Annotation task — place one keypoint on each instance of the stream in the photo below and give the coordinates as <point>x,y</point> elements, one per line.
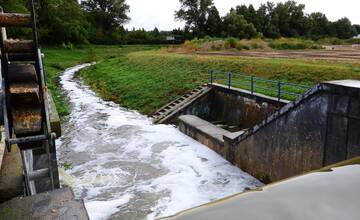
<point>126,167</point>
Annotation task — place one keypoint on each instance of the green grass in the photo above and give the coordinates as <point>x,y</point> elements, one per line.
<point>146,80</point>
<point>57,59</point>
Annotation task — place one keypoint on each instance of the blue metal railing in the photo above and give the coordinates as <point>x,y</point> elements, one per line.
<point>281,90</point>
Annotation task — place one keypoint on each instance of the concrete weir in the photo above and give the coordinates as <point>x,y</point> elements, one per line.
<point>273,140</point>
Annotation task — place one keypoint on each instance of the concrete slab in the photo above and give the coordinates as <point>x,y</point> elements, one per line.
<point>330,195</point>
<point>193,120</point>
<point>204,127</point>
<point>11,177</point>
<point>59,204</point>
<point>346,83</point>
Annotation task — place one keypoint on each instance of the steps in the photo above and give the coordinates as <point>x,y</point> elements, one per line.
<point>167,111</point>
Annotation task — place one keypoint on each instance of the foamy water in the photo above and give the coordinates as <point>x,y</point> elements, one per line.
<point>125,167</point>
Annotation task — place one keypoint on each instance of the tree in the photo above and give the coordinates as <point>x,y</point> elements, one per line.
<point>268,20</point>
<point>344,28</point>
<point>107,18</point>
<point>108,13</point>
<point>61,21</point>
<point>319,25</point>
<point>250,15</point>
<point>357,28</point>
<point>236,26</point>
<point>291,20</point>
<point>195,14</point>
<point>214,23</point>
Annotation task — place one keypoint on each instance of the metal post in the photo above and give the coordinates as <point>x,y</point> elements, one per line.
<point>211,76</point>
<point>279,90</point>
<point>252,85</point>
<point>3,30</point>
<point>229,80</point>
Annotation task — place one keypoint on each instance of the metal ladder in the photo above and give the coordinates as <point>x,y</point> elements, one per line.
<point>25,105</point>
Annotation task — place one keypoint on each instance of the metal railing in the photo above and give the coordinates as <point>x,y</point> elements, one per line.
<point>275,88</point>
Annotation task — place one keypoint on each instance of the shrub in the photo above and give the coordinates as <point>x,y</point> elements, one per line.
<point>68,46</point>
<point>256,46</point>
<point>191,45</point>
<point>291,46</point>
<point>231,43</point>
<point>239,46</point>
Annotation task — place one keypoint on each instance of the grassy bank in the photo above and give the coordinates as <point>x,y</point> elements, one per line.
<point>148,79</point>
<point>58,59</point>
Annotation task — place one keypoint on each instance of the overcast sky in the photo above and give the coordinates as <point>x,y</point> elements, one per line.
<point>160,13</point>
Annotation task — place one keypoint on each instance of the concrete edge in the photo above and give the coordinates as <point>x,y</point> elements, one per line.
<point>200,128</point>
<point>55,121</point>
<point>248,93</point>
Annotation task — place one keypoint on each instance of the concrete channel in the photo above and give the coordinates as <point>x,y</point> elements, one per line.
<point>120,165</point>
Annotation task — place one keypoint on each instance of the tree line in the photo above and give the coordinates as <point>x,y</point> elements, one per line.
<point>101,22</point>
<point>270,20</point>
<point>63,21</point>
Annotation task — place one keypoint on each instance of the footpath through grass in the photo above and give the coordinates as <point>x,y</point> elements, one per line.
<point>146,80</point>
<point>58,59</point>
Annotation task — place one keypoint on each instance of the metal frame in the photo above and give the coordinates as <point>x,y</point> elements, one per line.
<point>47,137</point>
<point>254,84</point>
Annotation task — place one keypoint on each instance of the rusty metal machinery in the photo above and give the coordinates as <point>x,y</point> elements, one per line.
<point>25,104</point>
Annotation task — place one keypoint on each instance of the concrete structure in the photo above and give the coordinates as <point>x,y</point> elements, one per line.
<point>206,133</point>
<point>318,129</point>
<point>331,193</point>
<point>59,204</point>
<point>232,107</point>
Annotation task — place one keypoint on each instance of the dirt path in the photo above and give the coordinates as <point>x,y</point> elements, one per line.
<point>340,55</point>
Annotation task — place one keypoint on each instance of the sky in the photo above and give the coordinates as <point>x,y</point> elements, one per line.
<point>149,14</point>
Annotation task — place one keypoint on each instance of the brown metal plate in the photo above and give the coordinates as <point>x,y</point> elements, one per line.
<point>26,120</point>
<point>19,73</point>
<point>19,46</point>
<point>15,20</point>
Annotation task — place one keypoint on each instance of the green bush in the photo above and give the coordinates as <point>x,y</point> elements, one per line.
<point>245,47</point>
<point>293,46</point>
<point>231,43</point>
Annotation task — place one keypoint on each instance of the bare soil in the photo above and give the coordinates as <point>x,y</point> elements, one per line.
<point>339,55</point>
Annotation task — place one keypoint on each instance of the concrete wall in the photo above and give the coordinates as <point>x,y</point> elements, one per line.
<point>319,129</point>
<point>237,107</point>
<point>200,107</point>
<point>234,107</point>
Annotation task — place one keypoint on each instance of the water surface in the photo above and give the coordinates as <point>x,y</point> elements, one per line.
<point>125,167</point>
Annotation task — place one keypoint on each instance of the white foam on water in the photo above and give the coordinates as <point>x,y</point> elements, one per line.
<point>126,167</point>
<point>96,209</point>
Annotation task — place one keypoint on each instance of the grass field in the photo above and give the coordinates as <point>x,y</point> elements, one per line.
<point>145,80</point>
